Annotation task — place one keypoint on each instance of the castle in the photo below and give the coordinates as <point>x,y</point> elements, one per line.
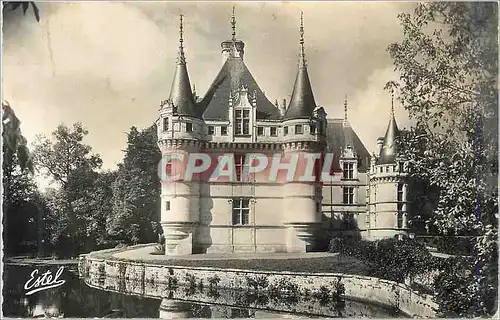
<point>365,196</point>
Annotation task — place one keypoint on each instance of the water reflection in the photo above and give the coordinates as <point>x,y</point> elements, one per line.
<point>125,299</point>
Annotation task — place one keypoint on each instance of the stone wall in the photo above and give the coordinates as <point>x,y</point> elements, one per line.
<point>111,274</point>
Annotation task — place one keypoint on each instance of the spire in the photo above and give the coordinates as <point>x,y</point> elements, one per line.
<point>233,26</point>
<point>389,148</point>
<point>392,103</point>
<point>302,103</point>
<point>302,61</point>
<point>345,110</point>
<point>181,96</point>
<point>181,59</point>
<point>232,48</point>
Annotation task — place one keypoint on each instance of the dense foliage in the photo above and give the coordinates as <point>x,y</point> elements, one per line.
<point>448,66</point>
<point>136,191</point>
<point>88,209</point>
<point>391,259</point>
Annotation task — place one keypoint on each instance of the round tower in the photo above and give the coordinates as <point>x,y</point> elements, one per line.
<point>180,130</point>
<point>303,131</point>
<point>388,187</point>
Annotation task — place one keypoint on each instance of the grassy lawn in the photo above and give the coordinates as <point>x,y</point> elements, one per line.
<point>330,264</point>
<point>336,264</point>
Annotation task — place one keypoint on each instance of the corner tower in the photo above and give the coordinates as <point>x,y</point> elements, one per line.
<point>304,126</point>
<point>388,187</point>
<point>180,129</point>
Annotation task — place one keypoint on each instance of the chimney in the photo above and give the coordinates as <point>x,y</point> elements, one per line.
<point>282,107</point>
<point>380,142</point>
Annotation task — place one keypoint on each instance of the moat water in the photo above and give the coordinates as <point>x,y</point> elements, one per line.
<point>76,299</point>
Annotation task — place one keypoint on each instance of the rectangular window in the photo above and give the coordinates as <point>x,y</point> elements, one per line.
<point>400,219</point>
<point>167,206</point>
<point>189,127</point>
<point>312,129</point>
<point>169,168</point>
<point>242,120</point>
<point>299,129</point>
<point>165,124</point>
<point>401,167</point>
<point>348,170</point>
<point>223,130</point>
<point>241,211</point>
<point>260,131</point>
<point>285,131</point>
<point>400,192</point>
<point>211,130</point>
<point>239,161</point>
<point>274,132</point>
<point>348,195</point>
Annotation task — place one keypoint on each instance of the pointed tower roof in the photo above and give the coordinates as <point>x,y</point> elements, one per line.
<point>389,147</point>
<point>233,75</point>
<point>181,95</point>
<point>302,102</point>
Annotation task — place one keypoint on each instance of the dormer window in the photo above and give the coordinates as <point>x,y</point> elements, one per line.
<point>348,170</point>
<point>299,129</point>
<point>242,120</point>
<point>165,124</point>
<point>211,130</point>
<point>189,127</point>
<point>260,131</point>
<point>174,110</point>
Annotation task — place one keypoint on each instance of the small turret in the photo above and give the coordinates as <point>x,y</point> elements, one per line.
<point>302,102</point>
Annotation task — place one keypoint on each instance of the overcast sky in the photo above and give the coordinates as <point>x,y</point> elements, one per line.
<point>108,65</point>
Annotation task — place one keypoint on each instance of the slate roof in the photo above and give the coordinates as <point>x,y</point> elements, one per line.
<point>233,74</point>
<point>302,103</point>
<point>389,147</point>
<point>339,136</point>
<point>181,95</point>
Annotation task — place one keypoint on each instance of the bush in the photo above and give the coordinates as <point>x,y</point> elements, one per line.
<point>459,293</point>
<point>390,259</point>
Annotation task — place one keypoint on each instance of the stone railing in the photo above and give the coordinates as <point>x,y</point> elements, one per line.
<point>151,280</point>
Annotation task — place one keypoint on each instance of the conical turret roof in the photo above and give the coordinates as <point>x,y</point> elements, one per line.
<point>302,102</point>
<point>181,95</point>
<point>389,149</point>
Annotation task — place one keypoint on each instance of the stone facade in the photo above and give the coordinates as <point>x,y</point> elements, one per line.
<point>236,117</point>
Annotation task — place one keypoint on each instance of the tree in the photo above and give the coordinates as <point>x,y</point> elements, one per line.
<point>13,5</point>
<point>70,163</point>
<point>448,66</point>
<point>136,191</point>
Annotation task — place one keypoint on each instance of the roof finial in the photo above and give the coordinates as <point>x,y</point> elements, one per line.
<point>233,25</point>
<point>182,58</point>
<point>392,102</point>
<point>345,109</point>
<point>302,51</point>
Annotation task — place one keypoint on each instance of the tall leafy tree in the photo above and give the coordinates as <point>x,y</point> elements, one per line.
<point>136,191</point>
<point>17,168</point>
<point>448,66</point>
<point>72,165</point>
